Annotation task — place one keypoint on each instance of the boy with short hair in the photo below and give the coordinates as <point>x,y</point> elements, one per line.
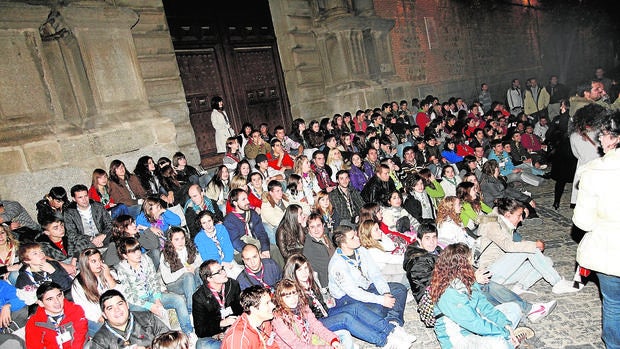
<point>420,259</point>
<point>37,269</point>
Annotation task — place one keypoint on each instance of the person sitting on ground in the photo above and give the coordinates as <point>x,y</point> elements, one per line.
<point>125,328</point>
<point>213,242</point>
<point>171,340</point>
<point>156,218</point>
<point>252,330</point>
<point>87,217</point>
<point>219,187</point>
<point>57,323</point>
<point>258,271</point>
<point>256,146</point>
<point>54,203</point>
<point>143,285</point>
<point>125,226</point>
<point>472,206</point>
<point>346,200</point>
<point>17,219</point>
<point>449,180</point>
<point>419,259</point>
<point>14,312</point>
<point>396,217</point>
<point>185,174</point>
<point>353,319</point>
<point>179,267</point>
<point>245,226</point>
<point>322,171</point>
<point>294,323</point>
<point>9,257</point>
<point>100,192</point>
<point>380,186</point>
<point>318,247</point>
<point>37,269</point>
<point>290,234</point>
<point>459,302</point>
<point>323,206</point>
<point>450,228</point>
<point>274,204</point>
<point>384,252</point>
<point>360,172</point>
<point>269,173</point>
<point>61,247</point>
<point>521,263</point>
<point>125,188</point>
<point>278,158</point>
<point>419,203</point>
<point>93,279</point>
<point>197,203</point>
<point>374,212</point>
<point>216,304</point>
<point>355,278</point>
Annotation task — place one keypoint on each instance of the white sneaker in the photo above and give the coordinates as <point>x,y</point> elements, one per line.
<point>400,332</point>
<point>540,310</point>
<point>543,167</point>
<point>410,297</point>
<point>393,341</point>
<point>565,286</point>
<point>519,290</point>
<point>527,193</point>
<point>192,339</point>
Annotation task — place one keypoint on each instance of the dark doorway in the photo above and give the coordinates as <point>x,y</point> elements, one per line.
<point>228,48</point>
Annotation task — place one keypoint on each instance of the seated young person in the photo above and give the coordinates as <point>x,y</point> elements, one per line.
<point>179,267</point>
<point>37,269</point>
<point>294,323</point>
<point>457,296</point>
<point>13,309</point>
<point>125,227</point>
<point>384,252</point>
<point>57,323</point>
<point>252,330</point>
<point>59,246</point>
<point>355,278</point>
<point>143,284</point>
<point>216,304</point>
<point>93,279</point>
<point>213,242</point>
<point>258,271</point>
<point>124,328</point>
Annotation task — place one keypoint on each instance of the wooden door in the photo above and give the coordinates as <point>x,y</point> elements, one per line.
<point>231,56</point>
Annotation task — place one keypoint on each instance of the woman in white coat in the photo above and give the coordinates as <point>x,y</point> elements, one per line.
<point>221,124</point>
<point>596,212</point>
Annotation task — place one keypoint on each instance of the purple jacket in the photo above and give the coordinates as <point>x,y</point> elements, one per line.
<point>359,178</point>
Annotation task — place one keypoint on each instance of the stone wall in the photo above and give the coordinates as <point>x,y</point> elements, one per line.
<point>98,82</point>
<point>440,47</point>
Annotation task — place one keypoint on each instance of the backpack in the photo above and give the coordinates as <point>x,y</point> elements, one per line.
<point>426,310</point>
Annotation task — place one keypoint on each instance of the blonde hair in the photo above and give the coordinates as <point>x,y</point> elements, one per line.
<point>299,163</point>
<point>238,181</point>
<point>330,158</point>
<point>445,210</point>
<point>365,233</point>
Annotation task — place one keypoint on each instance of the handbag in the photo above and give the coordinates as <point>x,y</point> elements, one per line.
<point>426,309</point>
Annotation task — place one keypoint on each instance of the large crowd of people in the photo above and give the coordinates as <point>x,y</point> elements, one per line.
<point>318,236</point>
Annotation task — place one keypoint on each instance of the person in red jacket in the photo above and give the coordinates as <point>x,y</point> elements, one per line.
<point>57,323</point>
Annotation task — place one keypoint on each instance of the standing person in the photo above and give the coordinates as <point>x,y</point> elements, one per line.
<point>216,305</point>
<point>557,92</point>
<point>563,162</point>
<point>252,330</point>
<point>535,101</point>
<point>124,328</point>
<point>596,214</point>
<point>514,96</point>
<point>485,97</point>
<point>57,323</point>
<point>94,279</point>
<point>221,123</point>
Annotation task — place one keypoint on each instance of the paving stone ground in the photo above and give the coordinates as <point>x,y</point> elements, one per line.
<point>576,321</point>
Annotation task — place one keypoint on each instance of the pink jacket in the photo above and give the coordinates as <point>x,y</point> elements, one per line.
<point>290,338</point>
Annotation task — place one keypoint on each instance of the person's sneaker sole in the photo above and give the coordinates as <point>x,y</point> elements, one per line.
<point>523,333</point>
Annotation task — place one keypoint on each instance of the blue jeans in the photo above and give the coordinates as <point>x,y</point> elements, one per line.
<point>391,314</point>
<point>208,343</point>
<point>271,233</point>
<point>93,327</point>
<point>172,301</point>
<point>186,285</point>
<point>610,289</point>
<point>524,269</point>
<point>134,210</point>
<point>498,294</point>
<point>357,318</point>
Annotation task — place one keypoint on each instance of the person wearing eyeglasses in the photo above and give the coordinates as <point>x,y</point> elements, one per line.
<point>216,305</point>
